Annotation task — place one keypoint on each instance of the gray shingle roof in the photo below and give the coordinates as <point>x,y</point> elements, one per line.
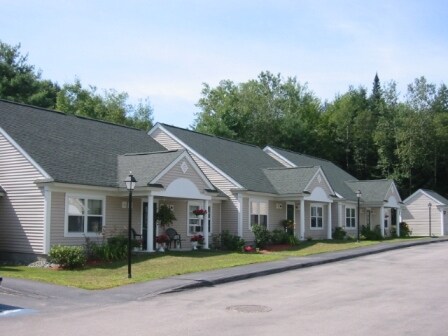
<point>335,175</point>
<point>145,166</point>
<point>372,190</point>
<point>290,180</point>
<point>242,162</point>
<point>436,196</point>
<point>73,149</point>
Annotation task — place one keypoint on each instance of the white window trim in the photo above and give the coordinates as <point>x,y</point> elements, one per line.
<point>356,217</point>
<point>201,206</point>
<point>317,205</point>
<point>86,197</point>
<point>258,200</point>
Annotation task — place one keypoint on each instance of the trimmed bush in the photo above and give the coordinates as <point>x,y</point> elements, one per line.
<point>374,234</point>
<point>227,241</point>
<point>339,233</point>
<point>280,237</point>
<point>262,235</point>
<point>69,257</point>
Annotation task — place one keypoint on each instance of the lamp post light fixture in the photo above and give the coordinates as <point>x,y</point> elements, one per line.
<point>130,185</point>
<point>429,208</point>
<point>358,196</point>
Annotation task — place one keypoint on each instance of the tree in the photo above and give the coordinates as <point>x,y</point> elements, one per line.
<point>266,110</point>
<point>110,106</point>
<point>20,82</point>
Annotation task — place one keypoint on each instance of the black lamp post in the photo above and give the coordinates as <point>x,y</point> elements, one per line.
<point>429,208</point>
<point>358,195</point>
<point>130,185</point>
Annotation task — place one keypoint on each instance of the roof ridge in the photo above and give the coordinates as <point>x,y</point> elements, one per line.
<point>308,155</point>
<point>212,136</point>
<point>67,114</point>
<point>290,168</point>
<point>149,153</point>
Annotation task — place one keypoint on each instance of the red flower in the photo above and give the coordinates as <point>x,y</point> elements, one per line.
<point>197,238</point>
<point>198,212</point>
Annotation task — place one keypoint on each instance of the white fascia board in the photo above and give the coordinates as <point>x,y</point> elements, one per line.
<point>273,151</point>
<point>196,153</point>
<point>394,187</point>
<point>24,153</point>
<point>319,170</point>
<point>193,164</point>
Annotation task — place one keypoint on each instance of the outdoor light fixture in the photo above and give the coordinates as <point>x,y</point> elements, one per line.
<point>429,208</point>
<point>130,185</point>
<point>358,195</point>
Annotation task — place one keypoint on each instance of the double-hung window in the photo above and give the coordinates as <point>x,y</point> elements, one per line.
<point>317,212</point>
<point>85,215</point>
<point>259,213</point>
<point>350,217</point>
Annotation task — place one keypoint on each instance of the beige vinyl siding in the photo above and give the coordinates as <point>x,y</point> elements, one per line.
<point>276,216</point>
<point>320,233</point>
<point>165,140</point>
<point>229,215</point>
<point>176,172</point>
<point>22,214</point>
<point>216,218</point>
<point>416,215</point>
<point>117,218</point>
<point>57,219</point>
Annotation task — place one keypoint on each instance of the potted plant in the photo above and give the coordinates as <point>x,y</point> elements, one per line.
<point>195,240</point>
<point>165,215</point>
<point>162,240</point>
<point>200,213</point>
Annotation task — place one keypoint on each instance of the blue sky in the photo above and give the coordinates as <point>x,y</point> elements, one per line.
<point>165,50</point>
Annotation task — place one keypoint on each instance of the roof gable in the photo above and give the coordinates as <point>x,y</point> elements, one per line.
<point>72,149</point>
<point>241,162</point>
<point>437,198</point>
<point>335,175</point>
<point>373,191</point>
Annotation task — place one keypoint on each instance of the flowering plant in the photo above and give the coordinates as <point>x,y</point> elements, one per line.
<point>163,238</point>
<point>197,238</point>
<point>198,212</point>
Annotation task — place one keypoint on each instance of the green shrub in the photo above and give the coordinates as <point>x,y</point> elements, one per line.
<point>369,234</point>
<point>280,237</point>
<point>339,233</point>
<point>262,235</point>
<point>227,241</point>
<point>293,240</point>
<point>69,257</point>
<point>405,230</point>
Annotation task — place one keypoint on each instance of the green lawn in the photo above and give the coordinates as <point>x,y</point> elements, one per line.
<point>163,265</point>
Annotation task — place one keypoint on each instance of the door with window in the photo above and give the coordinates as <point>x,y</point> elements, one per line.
<point>290,217</point>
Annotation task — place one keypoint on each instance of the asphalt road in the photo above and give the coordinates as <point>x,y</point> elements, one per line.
<point>401,292</point>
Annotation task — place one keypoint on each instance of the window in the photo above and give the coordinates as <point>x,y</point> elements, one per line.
<point>350,217</point>
<point>196,225</point>
<point>259,213</point>
<point>209,210</point>
<point>84,215</point>
<point>317,216</point>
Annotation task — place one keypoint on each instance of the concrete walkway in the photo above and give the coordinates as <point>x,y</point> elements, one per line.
<point>40,297</point>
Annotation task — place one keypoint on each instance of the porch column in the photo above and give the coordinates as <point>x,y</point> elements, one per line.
<point>340,215</point>
<point>442,223</point>
<point>150,228</point>
<point>329,224</point>
<point>206,229</point>
<point>240,215</point>
<point>382,221</point>
<point>398,220</point>
<point>302,220</point>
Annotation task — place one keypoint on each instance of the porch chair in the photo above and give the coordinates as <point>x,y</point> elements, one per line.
<point>135,235</point>
<point>174,237</point>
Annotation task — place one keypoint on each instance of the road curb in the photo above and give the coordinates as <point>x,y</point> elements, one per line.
<point>300,262</point>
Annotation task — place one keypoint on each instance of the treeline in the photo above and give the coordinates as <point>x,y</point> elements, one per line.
<point>21,82</point>
<point>372,133</point>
